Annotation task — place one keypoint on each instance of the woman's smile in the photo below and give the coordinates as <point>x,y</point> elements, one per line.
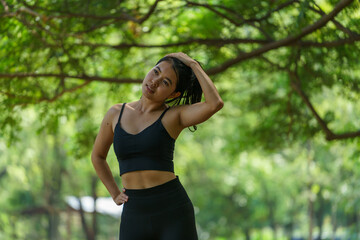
<point>149,89</point>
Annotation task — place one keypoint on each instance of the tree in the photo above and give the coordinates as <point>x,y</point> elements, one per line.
<point>287,70</point>
<point>56,48</point>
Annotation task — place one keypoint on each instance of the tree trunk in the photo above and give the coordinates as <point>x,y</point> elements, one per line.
<point>289,227</point>
<point>334,221</point>
<point>13,227</point>
<point>274,228</point>
<point>319,213</point>
<point>51,186</point>
<point>68,222</point>
<point>310,215</point>
<point>54,185</point>
<point>271,205</point>
<point>357,224</point>
<point>53,231</point>
<point>94,181</point>
<point>88,233</point>
<point>310,194</point>
<point>320,227</point>
<point>289,230</point>
<point>247,234</point>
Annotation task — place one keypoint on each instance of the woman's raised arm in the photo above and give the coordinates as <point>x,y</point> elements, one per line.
<point>190,115</point>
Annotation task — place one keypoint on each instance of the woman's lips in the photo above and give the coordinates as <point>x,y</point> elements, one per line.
<point>149,89</point>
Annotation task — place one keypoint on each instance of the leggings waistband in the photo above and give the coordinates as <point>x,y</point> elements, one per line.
<point>167,197</point>
<point>159,189</point>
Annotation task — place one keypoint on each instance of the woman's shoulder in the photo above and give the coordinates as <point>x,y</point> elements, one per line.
<point>116,107</point>
<point>114,111</point>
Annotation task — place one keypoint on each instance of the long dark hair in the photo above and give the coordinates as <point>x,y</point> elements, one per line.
<point>187,84</point>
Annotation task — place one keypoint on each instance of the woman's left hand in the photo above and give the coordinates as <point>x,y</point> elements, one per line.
<point>182,57</point>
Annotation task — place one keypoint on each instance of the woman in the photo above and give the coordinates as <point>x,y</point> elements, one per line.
<point>156,206</point>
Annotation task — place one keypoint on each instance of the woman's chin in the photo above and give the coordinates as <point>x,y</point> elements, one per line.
<point>147,94</point>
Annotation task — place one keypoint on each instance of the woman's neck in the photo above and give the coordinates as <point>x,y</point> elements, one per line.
<point>146,105</point>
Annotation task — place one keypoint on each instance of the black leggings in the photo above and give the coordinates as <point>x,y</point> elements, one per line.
<point>163,212</point>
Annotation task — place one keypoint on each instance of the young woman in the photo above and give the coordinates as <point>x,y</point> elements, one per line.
<point>143,132</point>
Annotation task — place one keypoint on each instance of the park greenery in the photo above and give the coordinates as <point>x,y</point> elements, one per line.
<point>281,160</point>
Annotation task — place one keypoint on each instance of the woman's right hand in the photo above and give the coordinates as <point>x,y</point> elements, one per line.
<point>183,58</point>
<point>121,198</point>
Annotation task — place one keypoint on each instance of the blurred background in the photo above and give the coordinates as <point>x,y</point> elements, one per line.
<point>281,160</point>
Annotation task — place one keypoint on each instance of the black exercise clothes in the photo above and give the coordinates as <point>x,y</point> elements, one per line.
<point>150,149</point>
<point>163,212</point>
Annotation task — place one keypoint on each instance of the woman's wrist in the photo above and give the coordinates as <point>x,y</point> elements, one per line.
<point>115,194</point>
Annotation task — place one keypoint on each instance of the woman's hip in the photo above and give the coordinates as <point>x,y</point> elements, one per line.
<point>168,197</point>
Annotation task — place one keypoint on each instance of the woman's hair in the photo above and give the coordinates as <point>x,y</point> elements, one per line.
<point>187,84</point>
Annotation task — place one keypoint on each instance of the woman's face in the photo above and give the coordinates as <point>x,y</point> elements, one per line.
<point>160,83</point>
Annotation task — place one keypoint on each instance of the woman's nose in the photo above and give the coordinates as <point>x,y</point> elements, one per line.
<point>155,82</point>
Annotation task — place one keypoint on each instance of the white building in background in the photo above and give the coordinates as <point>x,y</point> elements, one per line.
<point>104,205</point>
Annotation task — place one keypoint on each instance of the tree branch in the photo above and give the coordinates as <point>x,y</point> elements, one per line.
<point>30,100</point>
<point>268,14</point>
<point>150,12</point>
<point>211,8</point>
<point>35,33</point>
<point>221,42</point>
<point>209,42</point>
<point>57,96</point>
<point>328,133</point>
<point>337,24</point>
<point>207,6</point>
<point>329,44</point>
<point>93,28</point>
<point>283,42</point>
<point>123,16</point>
<point>84,77</point>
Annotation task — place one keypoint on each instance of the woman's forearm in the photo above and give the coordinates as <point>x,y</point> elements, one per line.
<point>103,171</point>
<point>211,94</point>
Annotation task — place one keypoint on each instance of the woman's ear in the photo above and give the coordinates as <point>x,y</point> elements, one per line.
<point>174,95</point>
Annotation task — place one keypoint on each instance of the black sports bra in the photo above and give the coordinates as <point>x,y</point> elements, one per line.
<point>150,149</point>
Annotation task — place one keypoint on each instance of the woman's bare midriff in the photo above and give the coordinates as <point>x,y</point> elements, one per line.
<point>145,179</point>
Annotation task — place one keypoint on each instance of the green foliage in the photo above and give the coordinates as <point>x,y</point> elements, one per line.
<point>252,170</point>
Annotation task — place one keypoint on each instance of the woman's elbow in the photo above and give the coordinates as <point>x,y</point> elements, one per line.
<point>219,104</point>
<point>96,158</point>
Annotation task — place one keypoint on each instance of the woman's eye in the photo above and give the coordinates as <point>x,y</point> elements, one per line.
<point>166,83</point>
<point>156,72</point>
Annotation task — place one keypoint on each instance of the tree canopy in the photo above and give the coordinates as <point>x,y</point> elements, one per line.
<point>58,47</point>
<point>280,160</point>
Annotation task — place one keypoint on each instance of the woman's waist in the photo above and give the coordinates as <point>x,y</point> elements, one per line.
<point>145,179</point>
<point>170,195</point>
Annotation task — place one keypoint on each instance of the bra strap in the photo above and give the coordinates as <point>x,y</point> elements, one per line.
<point>161,116</point>
<point>121,112</point>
